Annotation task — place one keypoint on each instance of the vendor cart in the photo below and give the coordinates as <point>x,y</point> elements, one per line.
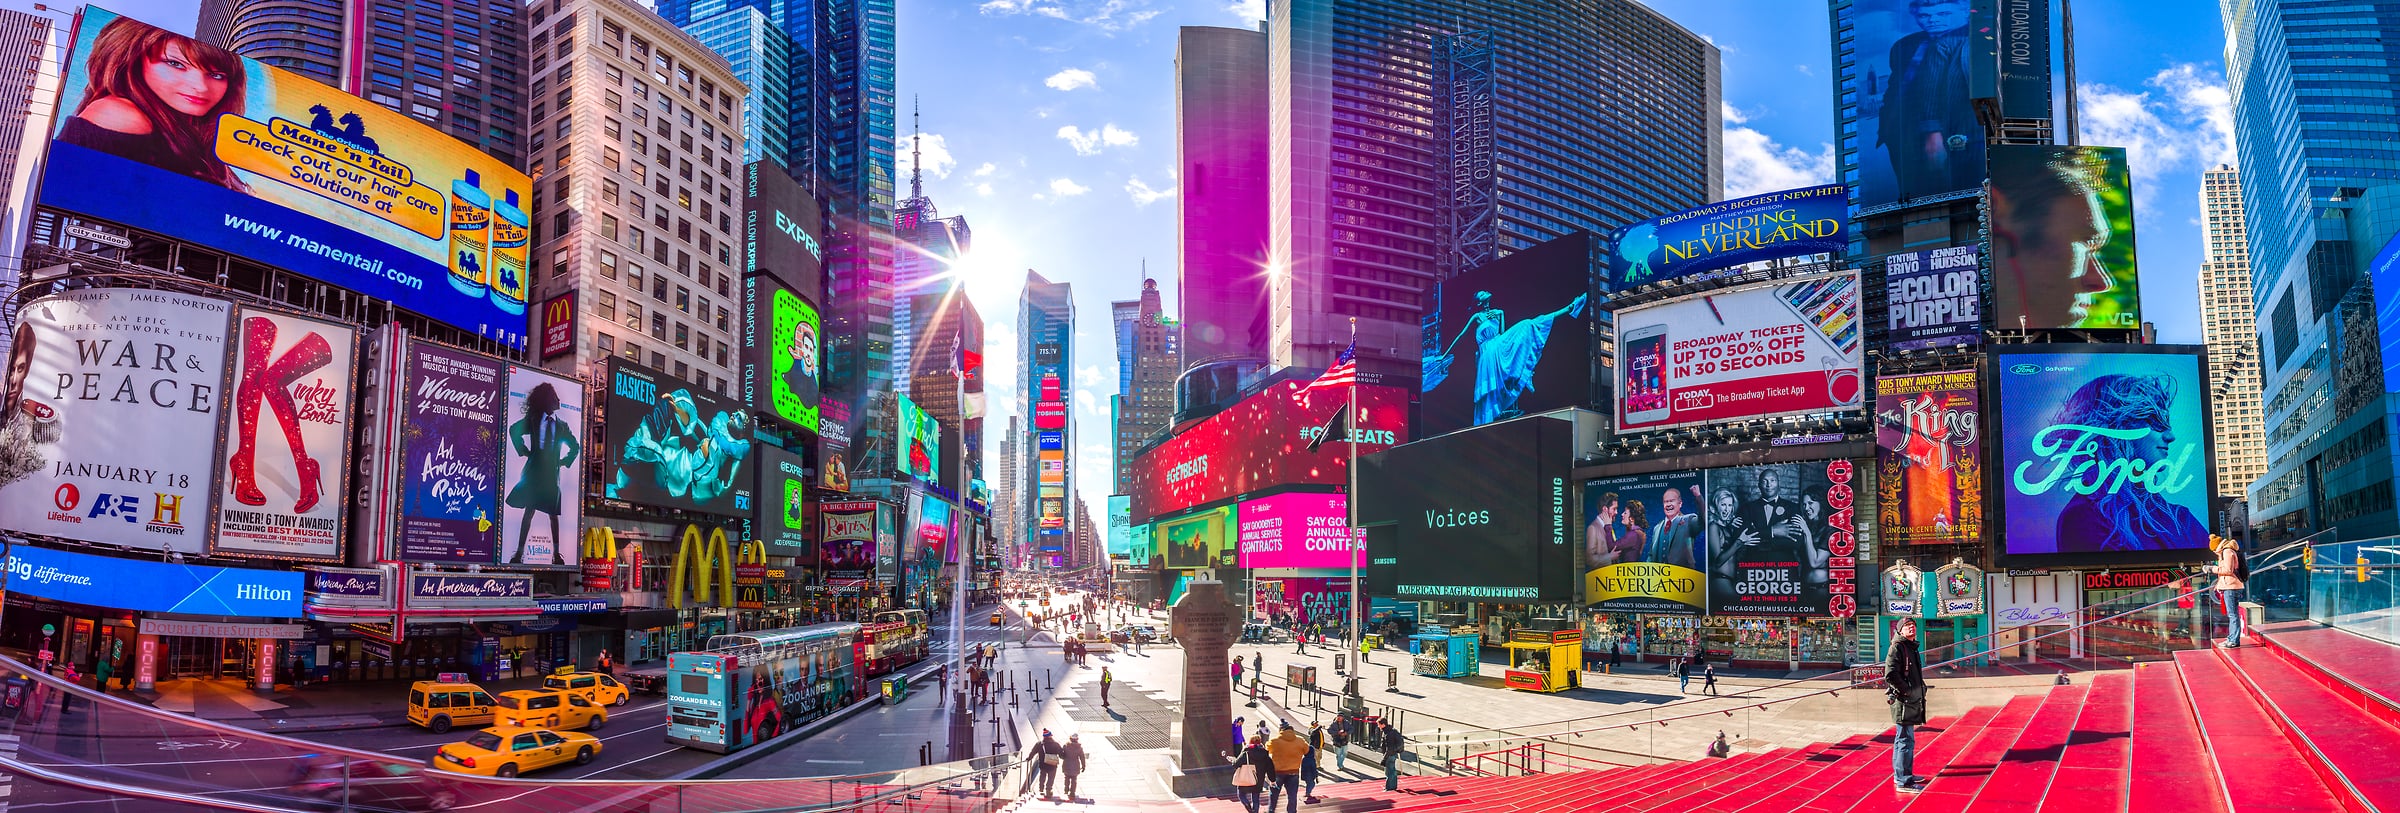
<point>1544,660</point>
<point>1444,654</point>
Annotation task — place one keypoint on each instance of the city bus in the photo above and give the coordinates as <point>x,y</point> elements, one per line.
<point>911,617</point>
<point>886,646</point>
<point>749,687</point>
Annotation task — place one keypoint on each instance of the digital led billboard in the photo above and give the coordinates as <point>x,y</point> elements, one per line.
<point>1195,541</point>
<point>1691,244</point>
<point>1933,298</point>
<point>1779,348</point>
<point>1260,443</point>
<point>781,358</point>
<point>2104,452</point>
<point>847,540</point>
<point>675,445</point>
<point>1782,539</point>
<point>1918,60</point>
<point>920,439</point>
<point>1481,514</point>
<point>1929,454</point>
<point>288,171</point>
<point>2062,239</point>
<point>782,521</point>
<point>781,226</point>
<point>1512,337</point>
<point>1297,530</point>
<point>1645,546</point>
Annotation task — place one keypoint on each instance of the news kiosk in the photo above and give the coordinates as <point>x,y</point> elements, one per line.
<point>1542,660</point>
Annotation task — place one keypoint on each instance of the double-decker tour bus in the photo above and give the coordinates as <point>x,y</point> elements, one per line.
<point>748,687</point>
<point>885,647</point>
<point>912,617</point>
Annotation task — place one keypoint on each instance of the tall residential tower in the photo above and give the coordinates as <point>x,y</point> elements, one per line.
<point>2229,323</point>
<point>1149,356</point>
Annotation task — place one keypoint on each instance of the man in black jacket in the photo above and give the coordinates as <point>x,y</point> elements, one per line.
<point>1046,756</point>
<point>1904,688</point>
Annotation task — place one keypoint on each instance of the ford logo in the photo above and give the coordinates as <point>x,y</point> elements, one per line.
<point>2025,369</point>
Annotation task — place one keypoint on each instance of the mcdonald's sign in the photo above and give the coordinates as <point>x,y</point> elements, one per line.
<point>710,565</point>
<point>558,326</point>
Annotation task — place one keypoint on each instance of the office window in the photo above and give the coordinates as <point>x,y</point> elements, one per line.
<point>608,264</point>
<point>658,326</point>
<point>607,343</point>
<point>683,299</point>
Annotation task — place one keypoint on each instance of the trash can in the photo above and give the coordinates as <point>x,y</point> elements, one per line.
<point>895,689</point>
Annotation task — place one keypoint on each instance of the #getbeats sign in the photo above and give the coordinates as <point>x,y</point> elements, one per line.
<point>1296,530</point>
<point>1781,348</point>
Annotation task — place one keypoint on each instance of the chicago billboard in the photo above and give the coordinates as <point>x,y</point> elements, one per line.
<point>1782,540</point>
<point>287,171</point>
<point>1297,530</point>
<point>674,445</point>
<point>1512,337</point>
<point>1929,459</point>
<point>1780,348</point>
<point>1933,298</point>
<point>1919,62</point>
<point>2062,239</point>
<point>2104,450</point>
<point>1700,244</point>
<point>109,433</point>
<point>1644,546</point>
<point>1262,442</point>
<point>450,455</point>
<point>543,467</point>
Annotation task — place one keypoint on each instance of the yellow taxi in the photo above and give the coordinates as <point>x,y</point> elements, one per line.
<point>439,704</point>
<point>546,708</point>
<point>600,689</point>
<point>506,751</point>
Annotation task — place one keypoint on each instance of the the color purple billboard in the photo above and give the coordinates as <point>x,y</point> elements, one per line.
<point>450,453</point>
<point>1933,297</point>
<point>1296,530</point>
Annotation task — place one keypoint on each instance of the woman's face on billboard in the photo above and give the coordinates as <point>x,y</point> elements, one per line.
<point>182,83</point>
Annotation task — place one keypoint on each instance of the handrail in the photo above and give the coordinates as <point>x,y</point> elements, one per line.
<point>1853,682</point>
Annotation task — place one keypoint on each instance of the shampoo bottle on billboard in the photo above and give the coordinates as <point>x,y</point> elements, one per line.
<point>510,227</point>
<point>470,234</point>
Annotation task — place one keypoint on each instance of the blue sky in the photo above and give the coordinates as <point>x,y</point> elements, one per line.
<point>1050,125</point>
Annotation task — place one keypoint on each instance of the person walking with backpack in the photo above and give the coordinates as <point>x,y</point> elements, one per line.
<point>1290,753</point>
<point>2233,574</point>
<point>1683,678</point>
<point>1047,755</point>
<point>1308,763</point>
<point>1904,689</point>
<point>1071,762</point>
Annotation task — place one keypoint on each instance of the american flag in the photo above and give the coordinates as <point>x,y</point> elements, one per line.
<point>1343,373</point>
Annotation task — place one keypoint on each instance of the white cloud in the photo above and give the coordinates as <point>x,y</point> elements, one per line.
<point>1091,142</point>
<point>1090,375</point>
<point>2182,121</point>
<point>983,189</point>
<point>936,153</point>
<point>1086,401</point>
<point>1754,163</point>
<point>1143,195</point>
<point>1109,16</point>
<point>1067,187</point>
<point>1248,10</point>
<point>1071,79</point>
<point>986,170</point>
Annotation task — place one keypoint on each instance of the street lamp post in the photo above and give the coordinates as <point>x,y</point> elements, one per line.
<point>1350,503</point>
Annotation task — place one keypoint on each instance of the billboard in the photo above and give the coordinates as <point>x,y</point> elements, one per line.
<point>1929,459</point>
<point>782,364</point>
<point>1262,442</point>
<point>1120,525</point>
<point>1779,348</point>
<point>1510,337</point>
<point>920,439</point>
<point>1933,297</point>
<point>450,455</point>
<point>1782,540</point>
<point>297,373</point>
<point>557,328</point>
<point>780,227</point>
<point>2062,239</point>
<point>833,447</point>
<point>2103,450</point>
<point>782,521</point>
<point>1481,514</point>
<point>1645,550</point>
<point>1297,530</point>
<point>1307,599</point>
<point>78,461</point>
<point>1195,541</point>
<point>1917,65</point>
<point>159,587</point>
<point>543,465</point>
<point>290,172</point>
<point>847,541</point>
<point>1690,244</point>
<point>2025,59</point>
<point>674,445</point>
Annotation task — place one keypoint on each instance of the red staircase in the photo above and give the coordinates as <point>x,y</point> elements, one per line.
<point>2305,723</point>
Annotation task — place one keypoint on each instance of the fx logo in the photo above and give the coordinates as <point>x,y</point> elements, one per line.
<point>126,507</point>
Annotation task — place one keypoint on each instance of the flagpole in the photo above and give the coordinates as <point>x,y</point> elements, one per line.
<point>1350,504</point>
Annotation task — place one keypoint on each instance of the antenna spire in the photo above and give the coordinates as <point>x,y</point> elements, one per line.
<point>916,150</point>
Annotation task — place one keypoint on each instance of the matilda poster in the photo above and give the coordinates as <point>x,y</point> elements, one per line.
<point>450,455</point>
<point>1928,457</point>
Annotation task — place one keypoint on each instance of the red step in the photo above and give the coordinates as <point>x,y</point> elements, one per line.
<point>2091,773</point>
<point>1679,776</point>
<point>1876,776</point>
<point>2016,785</point>
<point>2003,727</point>
<point>2360,669</point>
<point>2353,751</point>
<point>1739,791</point>
<point>2178,772</point>
<point>2268,773</point>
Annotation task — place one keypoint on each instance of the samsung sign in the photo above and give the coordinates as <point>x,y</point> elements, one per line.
<point>163,587</point>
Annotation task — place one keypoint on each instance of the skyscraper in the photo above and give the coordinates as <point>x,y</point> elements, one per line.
<point>1412,139</point>
<point>2317,177</point>
<point>2229,323</point>
<point>1045,378</point>
<point>1221,210</point>
<point>1008,490</point>
<point>25,44</point>
<point>1148,359</point>
<point>927,245</point>
<point>946,376</point>
<point>761,55</point>
<point>458,66</point>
